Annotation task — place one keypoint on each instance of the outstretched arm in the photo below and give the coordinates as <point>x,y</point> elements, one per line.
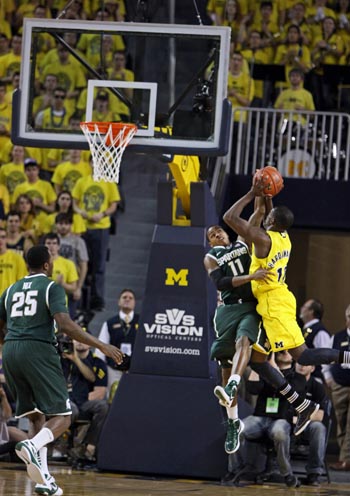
<point>223,282</point>
<point>245,229</point>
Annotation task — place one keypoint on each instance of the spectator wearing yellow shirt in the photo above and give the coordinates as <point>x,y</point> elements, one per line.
<point>293,54</point>
<point>29,224</point>
<point>5,117</point>
<point>40,191</point>
<point>4,202</point>
<point>11,62</point>
<point>315,15</point>
<point>64,204</point>
<point>119,72</point>
<point>297,17</point>
<point>96,201</point>
<point>12,173</point>
<point>67,173</point>
<point>240,86</point>
<point>64,271</point>
<point>253,53</point>
<point>327,48</point>
<point>12,265</point>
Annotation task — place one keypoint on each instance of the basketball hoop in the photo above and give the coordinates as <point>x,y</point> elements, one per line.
<point>107,142</point>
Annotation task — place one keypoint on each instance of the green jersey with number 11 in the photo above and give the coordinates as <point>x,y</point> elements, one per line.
<point>233,261</point>
<point>28,307</point>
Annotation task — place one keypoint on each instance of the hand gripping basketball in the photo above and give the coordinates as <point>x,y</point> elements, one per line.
<point>269,181</point>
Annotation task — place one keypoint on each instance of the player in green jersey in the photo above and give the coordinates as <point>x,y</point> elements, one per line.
<point>31,309</point>
<point>236,322</point>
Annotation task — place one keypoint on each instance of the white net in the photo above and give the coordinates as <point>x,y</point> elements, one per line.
<point>107,142</point>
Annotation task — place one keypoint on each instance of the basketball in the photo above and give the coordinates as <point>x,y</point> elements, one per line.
<point>272,179</point>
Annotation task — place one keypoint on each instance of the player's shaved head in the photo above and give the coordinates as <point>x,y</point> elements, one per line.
<point>37,256</point>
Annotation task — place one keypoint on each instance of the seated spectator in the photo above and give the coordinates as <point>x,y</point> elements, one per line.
<point>12,265</point>
<point>96,201</point>
<point>315,333</point>
<point>272,419</point>
<point>64,271</point>
<point>121,329</point>
<point>338,380</point>
<point>316,432</point>
<point>86,377</point>
<point>64,204</point>
<point>72,247</point>
<point>17,240</point>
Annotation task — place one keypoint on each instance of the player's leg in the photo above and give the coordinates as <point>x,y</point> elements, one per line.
<point>304,407</point>
<point>246,328</point>
<point>319,356</point>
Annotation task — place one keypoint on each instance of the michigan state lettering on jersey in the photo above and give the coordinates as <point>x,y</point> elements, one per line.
<point>30,305</point>
<point>233,261</point>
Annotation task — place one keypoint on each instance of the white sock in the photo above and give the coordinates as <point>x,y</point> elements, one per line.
<point>43,459</point>
<point>236,378</point>
<point>43,438</point>
<point>232,412</point>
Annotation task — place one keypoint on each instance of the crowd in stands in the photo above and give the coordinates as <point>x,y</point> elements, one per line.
<point>308,36</point>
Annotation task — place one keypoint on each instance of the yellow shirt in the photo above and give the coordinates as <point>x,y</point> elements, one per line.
<point>40,189</point>
<point>5,198</point>
<point>244,85</point>
<point>67,174</point>
<point>12,268</point>
<point>78,226</point>
<point>66,268</point>
<point>11,175</point>
<point>95,197</point>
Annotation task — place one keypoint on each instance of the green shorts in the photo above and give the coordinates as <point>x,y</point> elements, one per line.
<point>230,323</point>
<point>34,376</point>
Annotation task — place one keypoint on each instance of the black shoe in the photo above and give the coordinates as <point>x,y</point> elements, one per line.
<point>227,478</point>
<point>303,419</point>
<point>313,480</point>
<point>292,481</point>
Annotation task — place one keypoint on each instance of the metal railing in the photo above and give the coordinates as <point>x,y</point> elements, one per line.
<point>300,144</point>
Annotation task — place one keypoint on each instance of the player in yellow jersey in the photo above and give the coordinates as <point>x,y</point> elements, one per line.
<point>276,303</point>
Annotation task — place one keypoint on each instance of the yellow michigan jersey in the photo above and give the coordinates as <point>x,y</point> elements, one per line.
<point>276,304</point>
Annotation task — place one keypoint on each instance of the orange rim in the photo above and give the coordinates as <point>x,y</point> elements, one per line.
<point>103,127</point>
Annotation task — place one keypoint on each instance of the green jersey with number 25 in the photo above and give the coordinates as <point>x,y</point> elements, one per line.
<point>28,307</point>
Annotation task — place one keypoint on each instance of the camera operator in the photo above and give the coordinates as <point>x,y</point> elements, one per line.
<point>86,377</point>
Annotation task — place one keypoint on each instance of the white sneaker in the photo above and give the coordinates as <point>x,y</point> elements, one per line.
<point>26,451</point>
<point>50,488</point>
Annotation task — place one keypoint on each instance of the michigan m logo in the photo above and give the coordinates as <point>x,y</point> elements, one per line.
<point>173,277</point>
<point>279,345</point>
